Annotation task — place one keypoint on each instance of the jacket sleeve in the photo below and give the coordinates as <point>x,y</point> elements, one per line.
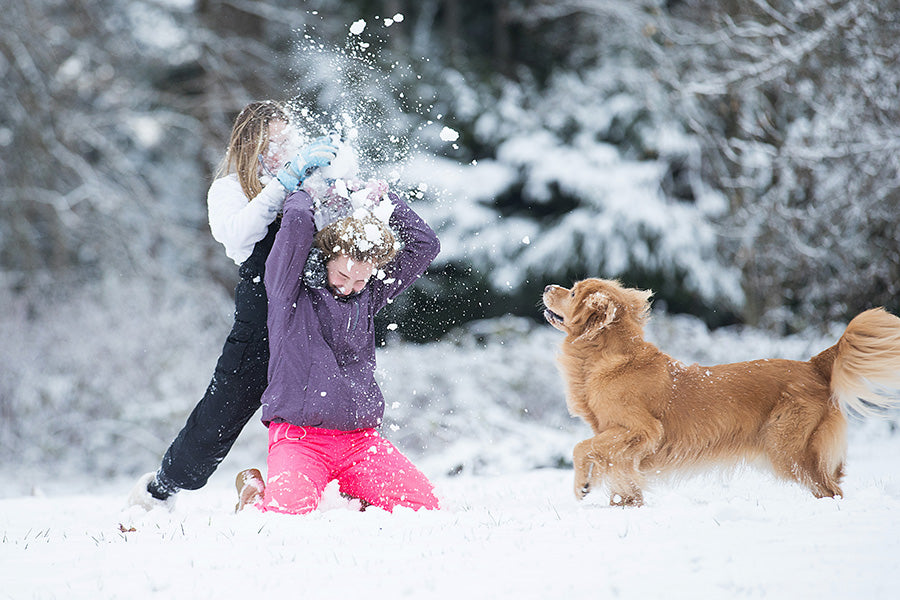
<point>237,223</point>
<point>284,267</point>
<point>420,247</point>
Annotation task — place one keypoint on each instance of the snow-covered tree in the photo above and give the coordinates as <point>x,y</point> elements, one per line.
<point>796,104</point>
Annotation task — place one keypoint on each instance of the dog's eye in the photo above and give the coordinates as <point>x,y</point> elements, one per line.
<point>572,293</point>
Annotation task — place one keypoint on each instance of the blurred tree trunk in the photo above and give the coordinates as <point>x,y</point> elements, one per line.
<point>503,21</point>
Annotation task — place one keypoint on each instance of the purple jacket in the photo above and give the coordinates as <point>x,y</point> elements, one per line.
<point>322,350</point>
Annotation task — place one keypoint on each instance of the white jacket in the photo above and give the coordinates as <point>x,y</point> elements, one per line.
<point>236,223</point>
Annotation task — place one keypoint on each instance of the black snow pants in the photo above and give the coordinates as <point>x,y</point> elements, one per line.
<point>233,395</point>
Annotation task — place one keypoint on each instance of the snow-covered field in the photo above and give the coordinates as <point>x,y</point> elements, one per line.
<point>509,527</point>
<point>515,535</point>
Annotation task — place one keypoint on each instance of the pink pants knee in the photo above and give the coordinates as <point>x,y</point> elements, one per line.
<point>302,460</point>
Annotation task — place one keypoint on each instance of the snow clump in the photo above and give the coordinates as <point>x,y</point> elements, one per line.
<point>357,27</point>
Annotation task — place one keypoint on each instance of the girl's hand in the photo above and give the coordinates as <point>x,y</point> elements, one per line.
<point>319,153</point>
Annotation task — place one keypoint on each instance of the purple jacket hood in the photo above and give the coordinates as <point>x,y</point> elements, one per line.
<point>322,349</point>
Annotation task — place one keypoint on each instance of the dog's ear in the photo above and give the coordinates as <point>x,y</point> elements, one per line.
<point>640,305</point>
<point>602,311</point>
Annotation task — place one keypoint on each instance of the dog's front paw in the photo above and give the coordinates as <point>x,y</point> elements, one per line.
<point>586,469</point>
<point>583,477</point>
<point>582,489</point>
<point>636,498</point>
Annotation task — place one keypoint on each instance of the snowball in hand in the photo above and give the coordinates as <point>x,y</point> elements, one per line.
<point>344,166</point>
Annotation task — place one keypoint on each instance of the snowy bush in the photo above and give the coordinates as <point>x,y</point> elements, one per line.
<point>100,378</point>
<point>796,105</point>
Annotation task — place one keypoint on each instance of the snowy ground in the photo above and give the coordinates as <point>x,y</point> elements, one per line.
<point>519,535</point>
<point>508,529</point>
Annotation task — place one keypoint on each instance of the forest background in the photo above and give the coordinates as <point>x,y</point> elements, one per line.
<point>739,158</point>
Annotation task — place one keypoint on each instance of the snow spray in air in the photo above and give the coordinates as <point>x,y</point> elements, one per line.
<point>358,91</point>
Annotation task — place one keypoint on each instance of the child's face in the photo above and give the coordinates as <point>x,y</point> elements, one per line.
<point>283,144</point>
<point>347,276</point>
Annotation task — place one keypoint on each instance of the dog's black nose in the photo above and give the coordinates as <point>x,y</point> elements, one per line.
<point>547,289</point>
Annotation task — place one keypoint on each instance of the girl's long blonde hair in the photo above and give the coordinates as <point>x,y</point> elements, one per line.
<point>249,140</point>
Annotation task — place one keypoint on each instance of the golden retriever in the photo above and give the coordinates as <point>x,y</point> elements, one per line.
<point>653,416</point>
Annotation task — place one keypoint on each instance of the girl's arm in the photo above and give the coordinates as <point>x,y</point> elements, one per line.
<point>284,267</point>
<point>420,247</point>
<point>236,223</point>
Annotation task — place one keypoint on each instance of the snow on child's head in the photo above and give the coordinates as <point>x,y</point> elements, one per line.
<point>353,214</point>
<point>362,238</point>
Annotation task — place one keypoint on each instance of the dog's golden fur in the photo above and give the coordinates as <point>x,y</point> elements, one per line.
<point>652,415</point>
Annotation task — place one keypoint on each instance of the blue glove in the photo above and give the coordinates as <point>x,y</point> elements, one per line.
<point>319,153</point>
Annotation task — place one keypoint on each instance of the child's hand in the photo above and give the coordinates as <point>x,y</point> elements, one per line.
<point>319,153</point>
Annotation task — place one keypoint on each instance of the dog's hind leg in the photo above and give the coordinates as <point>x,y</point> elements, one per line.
<point>826,454</point>
<point>806,442</point>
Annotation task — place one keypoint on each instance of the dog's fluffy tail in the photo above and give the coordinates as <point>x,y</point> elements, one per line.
<point>865,376</point>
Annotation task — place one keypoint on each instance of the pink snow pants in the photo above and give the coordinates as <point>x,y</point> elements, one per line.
<point>302,460</point>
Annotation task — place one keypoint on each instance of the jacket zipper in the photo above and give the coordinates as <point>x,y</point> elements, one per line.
<point>352,320</point>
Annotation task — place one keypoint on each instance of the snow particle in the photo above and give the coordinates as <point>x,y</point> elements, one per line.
<point>357,27</point>
<point>449,135</point>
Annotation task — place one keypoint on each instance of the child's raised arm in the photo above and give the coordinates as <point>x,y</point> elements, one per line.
<point>420,247</point>
<point>284,267</point>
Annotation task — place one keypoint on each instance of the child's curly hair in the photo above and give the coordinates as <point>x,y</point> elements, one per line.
<point>366,239</point>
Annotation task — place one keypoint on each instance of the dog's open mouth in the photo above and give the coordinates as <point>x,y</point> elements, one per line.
<point>552,317</point>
